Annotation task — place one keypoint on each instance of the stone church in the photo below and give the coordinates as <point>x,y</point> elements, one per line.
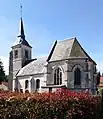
<point>66,66</point>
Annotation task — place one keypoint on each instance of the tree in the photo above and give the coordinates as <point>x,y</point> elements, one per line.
<point>98,78</point>
<point>2,72</point>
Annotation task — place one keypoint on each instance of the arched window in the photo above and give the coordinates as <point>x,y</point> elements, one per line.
<point>58,77</point>
<point>16,54</point>
<point>32,84</point>
<point>37,84</point>
<point>26,53</point>
<point>26,84</point>
<point>77,77</point>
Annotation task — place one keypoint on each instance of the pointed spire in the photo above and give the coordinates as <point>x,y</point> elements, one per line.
<point>21,36</point>
<point>21,27</point>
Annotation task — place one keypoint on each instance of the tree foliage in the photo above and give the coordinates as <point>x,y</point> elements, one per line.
<point>2,72</point>
<point>62,104</point>
<point>98,78</point>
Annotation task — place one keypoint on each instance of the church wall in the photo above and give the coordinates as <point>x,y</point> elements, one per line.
<point>21,82</point>
<point>20,60</point>
<point>68,67</point>
<point>13,85</point>
<point>68,74</point>
<point>44,90</point>
<point>19,53</point>
<point>85,83</point>
<point>92,75</point>
<point>16,66</point>
<point>47,89</point>
<point>51,68</point>
<point>23,51</point>
<point>17,62</point>
<point>71,67</point>
<point>42,81</point>
<point>10,77</point>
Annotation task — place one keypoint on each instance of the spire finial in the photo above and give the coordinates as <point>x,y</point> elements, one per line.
<point>21,10</point>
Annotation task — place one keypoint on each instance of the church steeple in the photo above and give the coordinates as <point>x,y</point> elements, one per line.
<point>21,27</point>
<point>21,52</point>
<point>21,36</point>
<point>21,30</point>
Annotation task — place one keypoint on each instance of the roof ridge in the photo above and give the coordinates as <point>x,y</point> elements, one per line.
<point>72,38</point>
<point>41,57</point>
<point>72,45</point>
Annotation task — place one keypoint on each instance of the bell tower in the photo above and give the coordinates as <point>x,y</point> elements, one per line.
<point>21,50</point>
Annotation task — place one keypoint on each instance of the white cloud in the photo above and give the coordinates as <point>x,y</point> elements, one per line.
<point>5,61</point>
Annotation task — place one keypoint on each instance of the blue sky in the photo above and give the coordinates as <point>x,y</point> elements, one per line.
<point>49,20</point>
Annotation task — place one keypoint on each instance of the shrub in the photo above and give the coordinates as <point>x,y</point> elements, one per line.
<point>62,104</point>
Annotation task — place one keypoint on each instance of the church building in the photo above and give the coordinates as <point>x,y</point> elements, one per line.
<point>66,66</point>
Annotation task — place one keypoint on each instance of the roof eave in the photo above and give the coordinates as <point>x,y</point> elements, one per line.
<point>52,50</point>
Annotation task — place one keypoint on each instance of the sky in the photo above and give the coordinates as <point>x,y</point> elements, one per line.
<point>48,20</point>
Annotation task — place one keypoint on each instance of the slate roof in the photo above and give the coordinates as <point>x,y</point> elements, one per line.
<point>62,50</point>
<point>21,37</point>
<point>22,41</point>
<point>35,67</point>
